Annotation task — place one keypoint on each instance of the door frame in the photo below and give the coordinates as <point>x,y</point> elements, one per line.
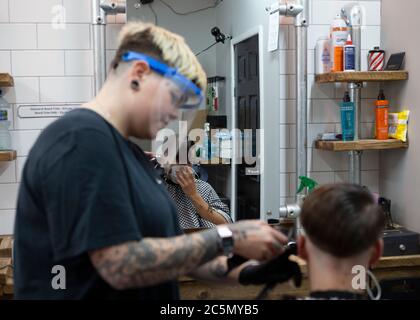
<point>258,30</point>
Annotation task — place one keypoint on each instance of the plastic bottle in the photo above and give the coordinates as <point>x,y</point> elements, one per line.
<point>347,118</point>
<point>323,55</point>
<point>306,186</point>
<point>381,115</point>
<point>206,150</point>
<point>349,55</point>
<point>5,120</point>
<point>306,183</point>
<point>339,33</point>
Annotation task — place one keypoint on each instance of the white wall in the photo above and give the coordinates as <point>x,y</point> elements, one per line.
<point>48,65</point>
<point>56,66</point>
<point>400,176</point>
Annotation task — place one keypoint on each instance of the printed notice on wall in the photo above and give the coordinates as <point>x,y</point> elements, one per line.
<point>44,110</point>
<point>273,28</point>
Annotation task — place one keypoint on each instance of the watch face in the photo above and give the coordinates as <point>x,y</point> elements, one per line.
<point>226,236</point>
<point>228,245</point>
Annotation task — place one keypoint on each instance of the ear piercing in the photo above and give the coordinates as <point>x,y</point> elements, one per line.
<point>135,85</point>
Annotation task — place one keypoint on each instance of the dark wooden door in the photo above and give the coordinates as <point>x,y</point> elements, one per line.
<point>247,88</point>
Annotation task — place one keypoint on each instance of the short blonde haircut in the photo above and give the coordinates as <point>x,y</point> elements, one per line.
<point>162,44</point>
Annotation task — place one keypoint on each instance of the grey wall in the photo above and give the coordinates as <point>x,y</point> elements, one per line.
<point>235,18</point>
<point>400,173</point>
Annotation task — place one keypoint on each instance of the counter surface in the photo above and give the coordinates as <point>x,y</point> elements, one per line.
<point>386,268</point>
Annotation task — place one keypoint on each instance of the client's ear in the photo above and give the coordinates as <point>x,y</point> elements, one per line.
<point>302,250</point>
<point>377,252</point>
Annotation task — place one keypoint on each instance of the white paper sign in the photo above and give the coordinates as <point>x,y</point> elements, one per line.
<point>273,29</point>
<point>44,111</point>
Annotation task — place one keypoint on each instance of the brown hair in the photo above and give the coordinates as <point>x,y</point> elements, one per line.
<point>342,219</point>
<point>163,45</point>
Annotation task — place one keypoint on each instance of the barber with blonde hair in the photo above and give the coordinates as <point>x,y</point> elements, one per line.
<point>90,201</point>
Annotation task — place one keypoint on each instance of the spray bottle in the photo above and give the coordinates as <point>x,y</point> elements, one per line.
<point>339,33</point>
<point>306,186</point>
<point>381,113</point>
<point>293,210</point>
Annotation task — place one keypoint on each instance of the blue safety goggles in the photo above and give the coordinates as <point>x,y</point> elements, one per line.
<point>191,95</point>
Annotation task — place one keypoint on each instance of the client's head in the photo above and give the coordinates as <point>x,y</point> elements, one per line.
<point>342,226</point>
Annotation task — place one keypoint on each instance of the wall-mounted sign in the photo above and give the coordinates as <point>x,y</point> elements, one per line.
<point>44,110</point>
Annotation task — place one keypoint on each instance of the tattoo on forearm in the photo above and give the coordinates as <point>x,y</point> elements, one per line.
<point>218,268</point>
<point>241,233</point>
<point>152,261</point>
<point>215,270</point>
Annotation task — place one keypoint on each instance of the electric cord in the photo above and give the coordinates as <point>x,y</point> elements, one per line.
<point>154,13</point>
<point>206,49</point>
<point>216,3</point>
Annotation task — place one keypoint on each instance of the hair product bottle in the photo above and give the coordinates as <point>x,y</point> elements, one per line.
<point>349,55</point>
<point>339,33</point>
<point>347,118</point>
<point>381,116</point>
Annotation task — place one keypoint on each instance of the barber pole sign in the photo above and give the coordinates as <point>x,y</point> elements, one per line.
<point>376,59</point>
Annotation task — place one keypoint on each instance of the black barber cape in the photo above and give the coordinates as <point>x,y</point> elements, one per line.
<point>85,187</point>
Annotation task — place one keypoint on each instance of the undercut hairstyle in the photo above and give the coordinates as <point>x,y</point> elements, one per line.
<point>162,45</point>
<point>342,220</point>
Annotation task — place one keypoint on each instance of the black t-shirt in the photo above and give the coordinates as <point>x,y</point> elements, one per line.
<point>85,187</point>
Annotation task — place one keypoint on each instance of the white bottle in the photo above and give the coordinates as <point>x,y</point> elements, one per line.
<point>349,55</point>
<point>205,150</point>
<point>5,120</point>
<point>323,55</point>
<point>339,33</point>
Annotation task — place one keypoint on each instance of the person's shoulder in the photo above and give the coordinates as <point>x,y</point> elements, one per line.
<point>75,123</point>
<point>80,119</point>
<point>79,127</point>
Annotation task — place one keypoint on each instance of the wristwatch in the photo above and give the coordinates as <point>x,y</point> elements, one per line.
<point>226,240</point>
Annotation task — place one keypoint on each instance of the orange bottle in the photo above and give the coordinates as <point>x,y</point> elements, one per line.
<point>338,59</point>
<point>382,106</point>
<point>339,33</point>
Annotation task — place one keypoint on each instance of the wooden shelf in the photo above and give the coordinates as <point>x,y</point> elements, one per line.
<point>8,155</point>
<point>359,145</point>
<point>361,76</point>
<point>6,80</point>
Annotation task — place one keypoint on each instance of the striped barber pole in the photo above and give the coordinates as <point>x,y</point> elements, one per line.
<point>376,59</point>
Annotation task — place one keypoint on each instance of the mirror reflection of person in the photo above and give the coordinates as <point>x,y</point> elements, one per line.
<point>197,202</point>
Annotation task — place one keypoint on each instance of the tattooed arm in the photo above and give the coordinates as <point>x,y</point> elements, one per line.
<point>215,271</point>
<point>153,260</point>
